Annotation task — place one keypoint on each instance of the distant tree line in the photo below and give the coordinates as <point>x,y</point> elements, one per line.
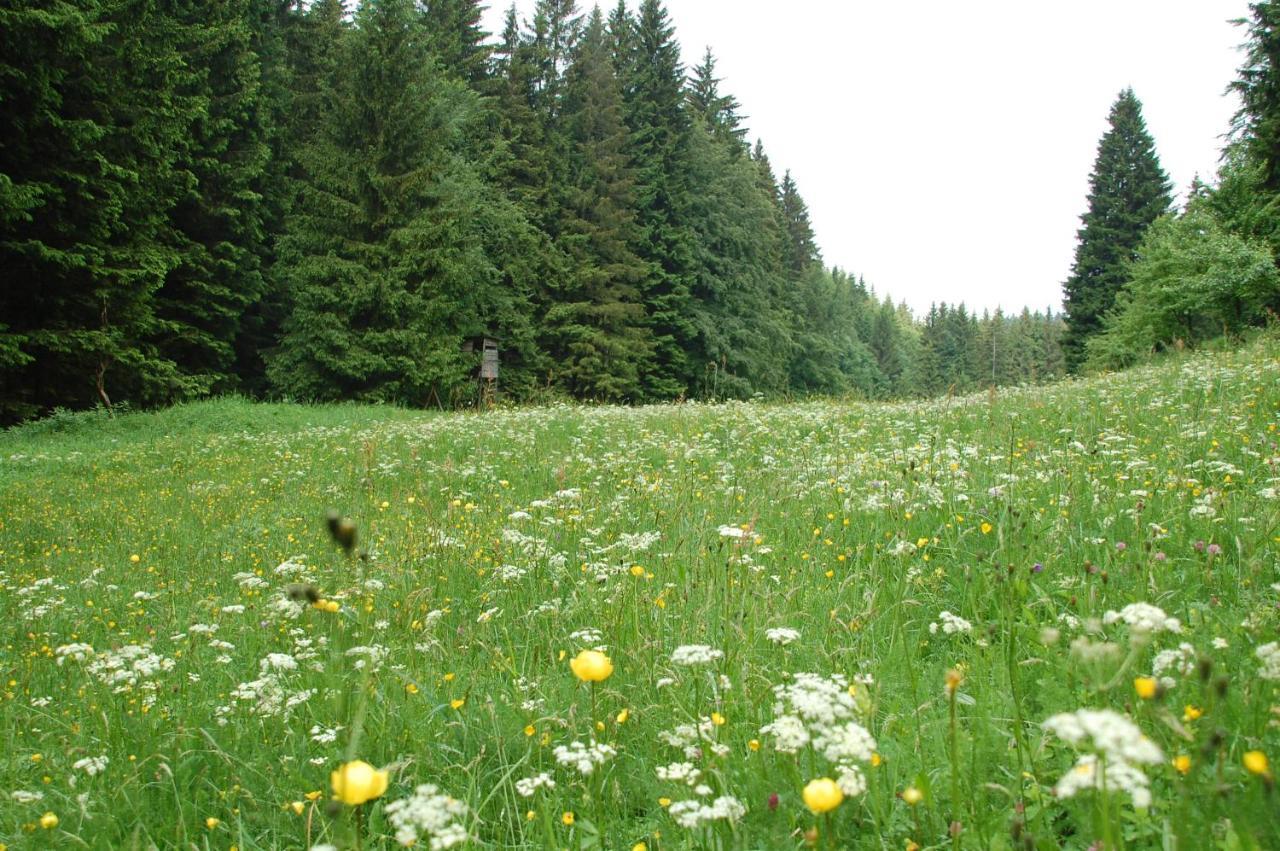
<point>310,201</point>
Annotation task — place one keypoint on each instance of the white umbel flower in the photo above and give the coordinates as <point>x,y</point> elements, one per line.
<point>429,815</point>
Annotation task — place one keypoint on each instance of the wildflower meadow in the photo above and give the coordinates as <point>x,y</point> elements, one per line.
<point>1033,618</point>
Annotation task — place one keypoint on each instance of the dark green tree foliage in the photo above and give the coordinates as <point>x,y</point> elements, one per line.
<point>743,319</point>
<point>91,109</point>
<point>801,248</point>
<point>718,113</point>
<point>653,86</point>
<point>595,326</point>
<point>385,255</point>
<point>1257,123</point>
<point>1128,191</point>
<point>457,40</point>
<point>222,220</point>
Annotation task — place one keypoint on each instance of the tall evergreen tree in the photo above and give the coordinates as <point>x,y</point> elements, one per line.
<point>717,112</point>
<point>653,85</point>
<point>457,39</point>
<point>1128,190</point>
<point>802,249</point>
<point>386,255</point>
<point>1257,123</point>
<point>95,103</point>
<point>222,220</point>
<point>595,325</point>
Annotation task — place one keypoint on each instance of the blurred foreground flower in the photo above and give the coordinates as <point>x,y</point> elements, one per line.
<point>357,782</point>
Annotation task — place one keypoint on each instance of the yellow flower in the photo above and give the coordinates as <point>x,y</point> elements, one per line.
<point>912,796</point>
<point>876,759</point>
<point>623,716</point>
<point>1182,763</point>
<point>637,571</point>
<point>717,719</point>
<point>664,802</point>
<point>986,528</point>
<point>212,822</point>
<point>1146,687</point>
<point>529,729</point>
<point>1255,762</point>
<point>135,558</point>
<point>48,821</point>
<point>297,807</point>
<point>567,818</point>
<point>754,744</point>
<point>639,846</point>
<point>953,680</point>
<point>530,815</point>
<point>822,795</point>
<point>411,688</point>
<point>313,796</point>
<point>1191,713</point>
<point>357,782</point>
<point>591,666</point>
<point>457,703</point>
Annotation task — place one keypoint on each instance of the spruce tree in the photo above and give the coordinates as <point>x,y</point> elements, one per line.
<point>95,104</point>
<point>386,254</point>
<point>457,39</point>
<point>653,85</point>
<point>1128,190</point>
<point>1258,121</point>
<point>223,220</point>
<point>595,324</point>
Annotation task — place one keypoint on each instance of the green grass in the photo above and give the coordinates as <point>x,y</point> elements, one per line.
<point>489,540</point>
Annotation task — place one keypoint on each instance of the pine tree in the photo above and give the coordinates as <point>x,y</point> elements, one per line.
<point>1128,191</point>
<point>1257,123</point>
<point>653,87</point>
<point>717,112</point>
<point>595,325</point>
<point>457,39</point>
<point>222,222</point>
<point>386,256</point>
<point>802,249</point>
<point>94,109</point>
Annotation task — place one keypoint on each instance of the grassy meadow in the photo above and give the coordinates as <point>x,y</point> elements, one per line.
<point>1032,619</point>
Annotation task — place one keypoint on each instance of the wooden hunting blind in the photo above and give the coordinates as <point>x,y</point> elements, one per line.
<point>488,349</point>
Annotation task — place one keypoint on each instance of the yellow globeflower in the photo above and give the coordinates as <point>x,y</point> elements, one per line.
<point>912,796</point>
<point>358,782</point>
<point>822,795</point>
<point>591,666</point>
<point>1146,687</point>
<point>1255,762</point>
<point>49,821</point>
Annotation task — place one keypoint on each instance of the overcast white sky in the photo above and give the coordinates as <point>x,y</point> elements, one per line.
<point>944,148</point>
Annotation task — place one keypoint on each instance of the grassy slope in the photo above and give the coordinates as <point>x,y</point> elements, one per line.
<point>866,522</point>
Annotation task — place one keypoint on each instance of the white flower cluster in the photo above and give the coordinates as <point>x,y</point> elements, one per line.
<point>694,813</point>
<point>584,758</point>
<point>431,815</point>
<point>1181,660</point>
<point>92,765</point>
<point>821,711</point>
<point>1269,655</point>
<point>1118,748</point>
<point>680,772</point>
<point>1144,618</point>
<point>1118,776</point>
<point>128,667</point>
<point>74,652</point>
<point>782,635</point>
<point>950,624</point>
<point>731,532</point>
<point>372,656</point>
<point>1107,732</point>
<point>695,654</point>
<point>268,696</point>
<point>526,786</point>
<point>693,739</point>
